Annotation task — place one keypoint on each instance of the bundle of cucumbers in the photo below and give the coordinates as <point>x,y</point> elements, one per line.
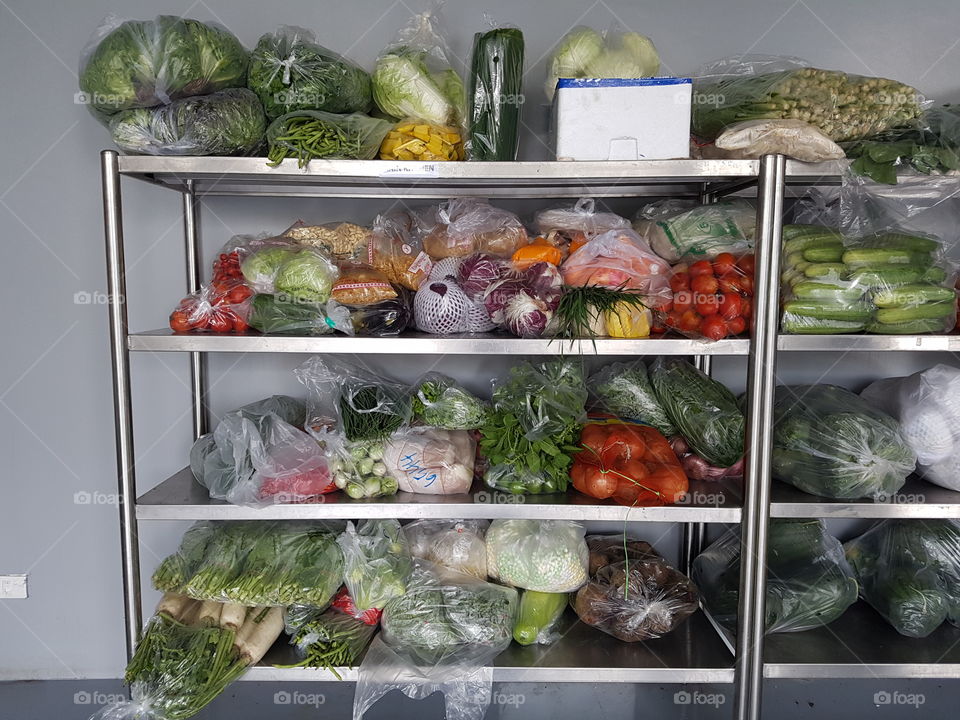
<point>891,284</point>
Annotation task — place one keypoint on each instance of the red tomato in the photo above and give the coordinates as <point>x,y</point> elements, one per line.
<point>672,319</point>
<point>731,283</point>
<point>239,324</point>
<point>179,321</point>
<point>746,308</point>
<point>747,264</point>
<point>239,294</point>
<point>746,284</point>
<point>701,267</point>
<point>724,263</point>
<point>730,305</point>
<point>714,327</point>
<point>737,325</point>
<point>220,323</point>
<point>689,321</point>
<point>680,281</point>
<point>683,301</point>
<point>704,285</point>
<point>707,304</point>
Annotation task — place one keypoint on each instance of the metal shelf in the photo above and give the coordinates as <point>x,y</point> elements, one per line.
<point>861,644</point>
<point>868,343</point>
<point>417,343</point>
<point>693,653</point>
<point>917,499</point>
<point>182,498</point>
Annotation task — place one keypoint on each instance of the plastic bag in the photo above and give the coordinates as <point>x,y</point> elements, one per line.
<point>385,318</point>
<point>909,572</point>
<point>282,315</point>
<point>223,308</point>
<point>308,134</point>
<point>290,71</point>
<point>763,87</point>
<point>525,302</point>
<point>753,139</point>
<point>431,461</point>
<point>583,219</point>
<point>829,442</point>
<point>143,63</point>
<point>702,409</point>
<point>697,467</point>
<point>585,53</point>
<point>367,407</point>
<point>341,240</point>
<point>415,139</point>
<point>258,453</point>
<point>395,249</point>
<point>357,467</point>
<point>465,226</point>
<point>376,562</point>
<point>927,406</point>
<point>608,549</point>
<point>454,544</point>
<point>619,259</point>
<point>252,563</point>
<point>637,600</point>
<point>809,582</point>
<point>496,94</point>
<point>360,284</point>
<point>440,402</point>
<point>624,390</point>
<point>544,555</point>
<point>712,300</point>
<point>629,462</point>
<point>282,267</point>
<point>330,639</point>
<point>440,637</point>
<point>678,232</point>
<point>228,122</point>
<point>414,77</point>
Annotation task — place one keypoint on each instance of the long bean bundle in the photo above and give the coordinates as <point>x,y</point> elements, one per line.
<point>312,134</point>
<point>332,639</point>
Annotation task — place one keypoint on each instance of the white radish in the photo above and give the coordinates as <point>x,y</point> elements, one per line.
<point>258,633</point>
<point>190,612</point>
<point>232,616</point>
<point>172,605</point>
<point>209,613</point>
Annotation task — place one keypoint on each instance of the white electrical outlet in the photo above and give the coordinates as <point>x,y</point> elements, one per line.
<point>13,586</point>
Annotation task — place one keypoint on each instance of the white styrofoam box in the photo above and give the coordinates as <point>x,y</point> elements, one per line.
<point>622,119</point>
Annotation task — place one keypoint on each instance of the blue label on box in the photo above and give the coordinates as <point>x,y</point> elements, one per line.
<point>620,82</point>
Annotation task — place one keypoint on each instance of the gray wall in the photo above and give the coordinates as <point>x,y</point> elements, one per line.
<point>55,388</point>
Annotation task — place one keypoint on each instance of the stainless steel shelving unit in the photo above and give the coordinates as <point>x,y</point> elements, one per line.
<point>696,652</point>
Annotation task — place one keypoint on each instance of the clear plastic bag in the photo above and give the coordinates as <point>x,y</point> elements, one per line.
<point>414,76</point>
<point>543,555</point>
<point>376,562</point>
<point>357,467</point>
<point>440,637</point>
<point>143,63</point>
<point>454,544</point>
<point>809,582</point>
<point>430,461</point>
<point>290,71</point>
<point>259,453</point>
<point>330,639</point>
<point>608,549</point>
<point>414,139</point>
<point>367,407</point>
<point>619,259</point>
<point>252,563</point>
<point>678,232</point>
<point>696,467</point>
<point>384,318</point>
<point>341,240</point>
<point>637,600</point>
<point>624,390</point>
<point>496,94</point>
<point>215,308</point>
<point>753,139</point>
<point>440,402</point>
<point>909,571</point>
<point>282,315</point>
<point>763,87</point>
<point>309,134</point>
<point>283,267</point>
<point>465,226</point>
<point>228,122</point>
<point>712,300</point>
<point>829,442</point>
<point>927,406</point>
<point>360,284</point>
<point>582,219</point>
<point>585,53</point>
<point>395,249</point>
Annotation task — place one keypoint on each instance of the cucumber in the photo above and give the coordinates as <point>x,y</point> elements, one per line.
<point>902,241</point>
<point>790,277</point>
<point>538,612</point>
<point>885,276</point>
<point>837,293</point>
<point>859,312</point>
<point>828,251</point>
<point>802,242</point>
<point>802,325</point>
<point>934,274</point>
<point>909,327</point>
<point>793,259</point>
<point>860,257</point>
<point>912,295</point>
<point>825,270</point>
<point>919,312</point>
<point>799,230</point>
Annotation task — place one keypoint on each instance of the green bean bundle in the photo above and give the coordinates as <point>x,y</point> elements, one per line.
<point>332,639</point>
<point>313,134</point>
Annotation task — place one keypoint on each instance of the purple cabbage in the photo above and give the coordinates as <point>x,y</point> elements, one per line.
<point>478,272</point>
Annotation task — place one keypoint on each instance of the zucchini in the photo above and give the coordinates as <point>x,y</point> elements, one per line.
<point>496,93</point>
<point>862,256</point>
<point>912,295</point>
<point>859,312</point>
<point>934,274</point>
<point>929,310</point>
<point>885,276</point>
<point>538,613</point>
<point>825,270</point>
<point>837,293</point>
<point>910,327</point>
<point>827,251</point>
<point>802,325</point>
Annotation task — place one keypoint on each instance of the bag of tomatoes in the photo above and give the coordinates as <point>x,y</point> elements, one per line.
<point>223,306</point>
<point>630,462</point>
<point>712,299</point>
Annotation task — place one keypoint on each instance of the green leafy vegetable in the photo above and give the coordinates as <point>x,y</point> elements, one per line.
<point>306,275</point>
<point>440,402</point>
<point>624,390</point>
<point>403,87</point>
<point>331,639</point>
<point>583,53</point>
<point>377,562</point>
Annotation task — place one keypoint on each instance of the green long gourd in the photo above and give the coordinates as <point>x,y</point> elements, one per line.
<point>496,94</point>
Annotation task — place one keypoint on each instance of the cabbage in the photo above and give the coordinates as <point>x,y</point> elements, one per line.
<point>308,275</point>
<point>403,87</point>
<point>261,268</point>
<point>571,56</point>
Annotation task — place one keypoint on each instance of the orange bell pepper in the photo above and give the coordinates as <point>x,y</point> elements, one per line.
<point>537,251</point>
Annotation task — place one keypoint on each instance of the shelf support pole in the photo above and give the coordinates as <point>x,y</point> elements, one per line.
<point>761,378</point>
<point>120,360</point>
<point>198,361</point>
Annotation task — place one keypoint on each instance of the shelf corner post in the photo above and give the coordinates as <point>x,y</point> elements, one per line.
<point>198,361</point>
